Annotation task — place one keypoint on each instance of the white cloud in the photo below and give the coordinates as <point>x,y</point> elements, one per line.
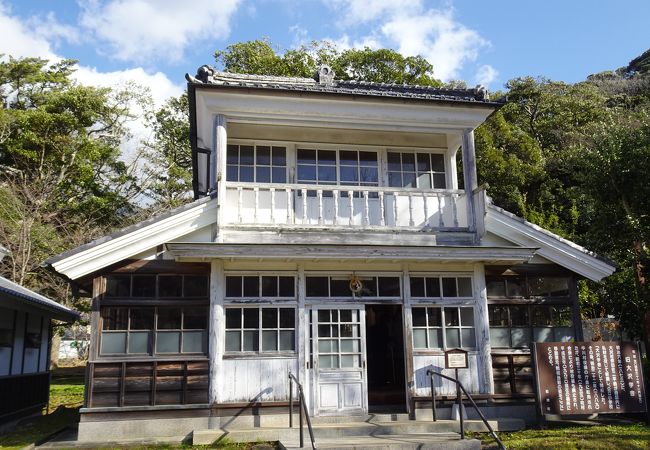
<point>486,74</point>
<point>21,41</point>
<point>51,29</point>
<point>148,30</point>
<point>415,30</point>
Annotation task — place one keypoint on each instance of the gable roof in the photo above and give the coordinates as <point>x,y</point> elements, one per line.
<point>555,248</point>
<point>209,77</point>
<point>31,298</point>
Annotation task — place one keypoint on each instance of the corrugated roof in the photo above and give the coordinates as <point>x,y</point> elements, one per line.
<point>37,300</point>
<point>207,75</point>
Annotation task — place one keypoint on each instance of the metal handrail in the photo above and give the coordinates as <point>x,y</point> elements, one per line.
<point>459,387</point>
<point>302,408</point>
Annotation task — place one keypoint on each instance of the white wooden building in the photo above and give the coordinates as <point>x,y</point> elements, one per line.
<point>331,236</point>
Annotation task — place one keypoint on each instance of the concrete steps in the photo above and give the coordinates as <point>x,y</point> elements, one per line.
<point>355,432</point>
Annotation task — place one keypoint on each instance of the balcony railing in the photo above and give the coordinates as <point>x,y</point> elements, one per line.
<point>321,206</point>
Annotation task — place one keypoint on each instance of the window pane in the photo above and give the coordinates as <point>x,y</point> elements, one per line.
<point>269,286</point>
<point>420,338</point>
<point>439,181</point>
<point>438,163</point>
<point>408,162</point>
<point>324,315</point>
<point>195,318</point>
<point>196,286</point>
<point>279,157</point>
<point>350,361</point>
<point>368,176</point>
<point>118,286</point>
<point>269,340</point>
<point>251,287</point>
<point>233,341</point>
<point>424,181</point>
<point>347,158</point>
<point>327,157</point>
<point>169,318</point>
<point>345,315</point>
<point>349,345</point>
<point>233,286</point>
<point>498,315</point>
<point>408,179</point>
<point>542,315</point>
<point>114,318</point>
<point>564,334</point>
<point>467,336</point>
<point>368,159</point>
<point>141,318</point>
<point>168,342</point>
<point>287,340</point>
<point>251,341</point>
<point>496,288</point>
<point>435,338</point>
<point>435,319</point>
<point>562,316</point>
<point>348,330</point>
<point>170,285</point>
<point>317,286</point>
<point>328,361</point>
<point>287,287</point>
<point>340,288</point>
<point>233,318</point>
<point>369,287</point>
<point>451,317</point>
<point>306,173</point>
<point>144,286</point>
<point>417,287</point>
<point>263,155</point>
<point>467,317</point>
<point>139,342</point>
<point>263,174</point>
<point>232,173</point>
<point>287,317</point>
<point>246,174</point>
<point>515,287</point>
<point>449,287</point>
<point>520,337</point>
<point>113,343</point>
<point>246,155</point>
<point>519,316</point>
<point>423,162</point>
<point>543,334</point>
<point>395,179</point>
<point>251,318</point>
<point>500,337</point>
<point>349,175</point>
<point>278,175</point>
<point>419,317</point>
<point>306,156</point>
<point>394,162</point>
<point>465,287</point>
<point>453,338</point>
<point>269,318</point>
<point>389,287</point>
<point>194,342</point>
<point>433,287</point>
<point>324,331</point>
<point>328,345</point>
<point>232,154</point>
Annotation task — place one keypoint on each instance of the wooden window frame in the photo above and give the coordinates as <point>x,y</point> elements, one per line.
<point>352,296</point>
<point>260,329</point>
<point>431,173</point>
<point>255,164</point>
<point>443,327</point>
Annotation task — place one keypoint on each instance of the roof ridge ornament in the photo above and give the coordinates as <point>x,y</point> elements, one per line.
<point>481,93</point>
<point>324,75</point>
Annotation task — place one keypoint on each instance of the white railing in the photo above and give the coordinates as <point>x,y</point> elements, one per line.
<point>303,205</point>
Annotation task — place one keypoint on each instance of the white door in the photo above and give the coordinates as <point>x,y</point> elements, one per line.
<point>338,349</point>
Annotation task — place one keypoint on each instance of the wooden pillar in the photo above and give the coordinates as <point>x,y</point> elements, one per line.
<point>482,327</point>
<point>218,177</point>
<point>408,342</point>
<point>216,329</point>
<point>469,176</point>
<point>303,337</point>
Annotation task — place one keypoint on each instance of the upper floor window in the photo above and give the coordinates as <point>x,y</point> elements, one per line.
<point>343,167</point>
<point>256,163</point>
<point>441,287</point>
<point>416,170</point>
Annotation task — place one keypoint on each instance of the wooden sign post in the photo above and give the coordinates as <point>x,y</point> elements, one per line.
<point>456,358</point>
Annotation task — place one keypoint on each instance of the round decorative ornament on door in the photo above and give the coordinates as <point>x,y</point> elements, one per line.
<point>356,285</point>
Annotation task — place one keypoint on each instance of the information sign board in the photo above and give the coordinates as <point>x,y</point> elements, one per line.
<point>456,359</point>
<point>589,377</point>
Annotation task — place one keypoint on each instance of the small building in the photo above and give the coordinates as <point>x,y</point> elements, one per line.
<point>25,343</point>
<point>331,237</point>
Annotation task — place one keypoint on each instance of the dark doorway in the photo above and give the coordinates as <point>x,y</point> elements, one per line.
<point>385,355</point>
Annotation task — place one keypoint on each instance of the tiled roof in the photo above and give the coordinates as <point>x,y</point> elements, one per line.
<point>319,84</point>
<point>36,300</point>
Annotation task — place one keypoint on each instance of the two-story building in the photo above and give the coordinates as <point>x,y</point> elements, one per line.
<point>331,236</point>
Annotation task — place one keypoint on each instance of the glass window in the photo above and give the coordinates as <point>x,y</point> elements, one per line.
<point>443,327</point>
<point>262,329</point>
<point>434,286</point>
<point>6,327</point>
<point>339,338</point>
<point>118,286</point>
<point>260,286</point>
<point>261,164</point>
<point>416,170</point>
<point>339,286</point>
<point>144,286</point>
<point>516,326</point>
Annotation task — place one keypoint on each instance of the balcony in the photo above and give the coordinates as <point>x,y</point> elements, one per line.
<point>306,206</point>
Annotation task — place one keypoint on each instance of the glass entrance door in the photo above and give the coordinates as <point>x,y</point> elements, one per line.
<point>338,349</point>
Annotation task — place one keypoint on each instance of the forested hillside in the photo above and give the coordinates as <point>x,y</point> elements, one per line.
<point>573,158</point>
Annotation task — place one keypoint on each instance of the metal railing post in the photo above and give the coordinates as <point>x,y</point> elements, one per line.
<point>302,437</point>
<point>460,407</point>
<point>290,403</point>
<point>302,412</point>
<point>434,411</point>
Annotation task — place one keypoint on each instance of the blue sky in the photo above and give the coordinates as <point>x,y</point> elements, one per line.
<point>154,42</point>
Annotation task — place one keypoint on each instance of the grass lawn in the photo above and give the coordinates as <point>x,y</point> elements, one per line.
<point>586,437</point>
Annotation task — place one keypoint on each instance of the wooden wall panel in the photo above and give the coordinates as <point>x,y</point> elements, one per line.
<point>263,379</point>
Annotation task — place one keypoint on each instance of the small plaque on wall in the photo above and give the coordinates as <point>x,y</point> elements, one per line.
<point>456,358</point>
